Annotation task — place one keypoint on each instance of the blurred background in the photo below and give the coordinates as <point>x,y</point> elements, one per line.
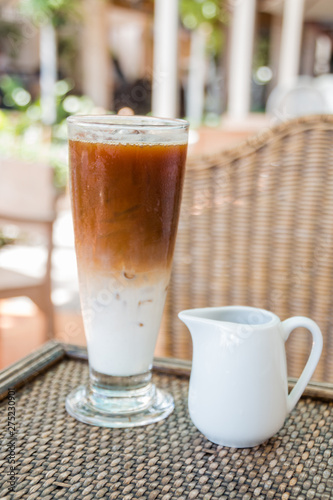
<point>233,68</point>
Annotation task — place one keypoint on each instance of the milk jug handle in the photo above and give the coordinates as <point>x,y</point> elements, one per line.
<point>317,344</point>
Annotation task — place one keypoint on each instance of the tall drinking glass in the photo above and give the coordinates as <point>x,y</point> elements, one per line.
<point>126,177</point>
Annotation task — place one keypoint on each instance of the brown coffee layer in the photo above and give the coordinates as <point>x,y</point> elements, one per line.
<point>126,201</point>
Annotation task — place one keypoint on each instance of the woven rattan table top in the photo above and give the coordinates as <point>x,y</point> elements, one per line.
<point>58,457</point>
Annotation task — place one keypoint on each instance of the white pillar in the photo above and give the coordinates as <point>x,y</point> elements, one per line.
<point>291,39</point>
<point>96,57</point>
<point>48,72</point>
<point>195,95</point>
<point>240,59</point>
<point>165,72</point>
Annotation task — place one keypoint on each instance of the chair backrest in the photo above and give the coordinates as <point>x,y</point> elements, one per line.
<point>256,228</point>
<point>26,191</point>
<point>28,203</point>
<point>28,199</point>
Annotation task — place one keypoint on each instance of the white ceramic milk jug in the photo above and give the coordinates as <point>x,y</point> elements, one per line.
<point>238,392</point>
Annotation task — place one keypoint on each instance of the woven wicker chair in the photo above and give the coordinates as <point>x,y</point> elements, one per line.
<point>256,228</point>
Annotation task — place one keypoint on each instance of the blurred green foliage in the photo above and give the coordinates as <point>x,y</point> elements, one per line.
<point>5,240</point>
<point>58,12</point>
<point>210,14</point>
<point>8,31</point>
<point>261,52</point>
<point>22,133</point>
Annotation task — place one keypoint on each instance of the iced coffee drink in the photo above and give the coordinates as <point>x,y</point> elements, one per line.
<point>126,177</point>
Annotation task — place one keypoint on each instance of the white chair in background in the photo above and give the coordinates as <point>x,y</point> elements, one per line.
<point>301,99</point>
<point>27,205</point>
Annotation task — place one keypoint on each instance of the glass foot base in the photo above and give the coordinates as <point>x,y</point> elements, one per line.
<point>107,412</point>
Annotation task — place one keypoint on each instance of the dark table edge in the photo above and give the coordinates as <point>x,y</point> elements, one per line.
<point>52,352</point>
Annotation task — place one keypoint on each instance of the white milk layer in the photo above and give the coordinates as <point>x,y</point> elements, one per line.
<point>122,319</point>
